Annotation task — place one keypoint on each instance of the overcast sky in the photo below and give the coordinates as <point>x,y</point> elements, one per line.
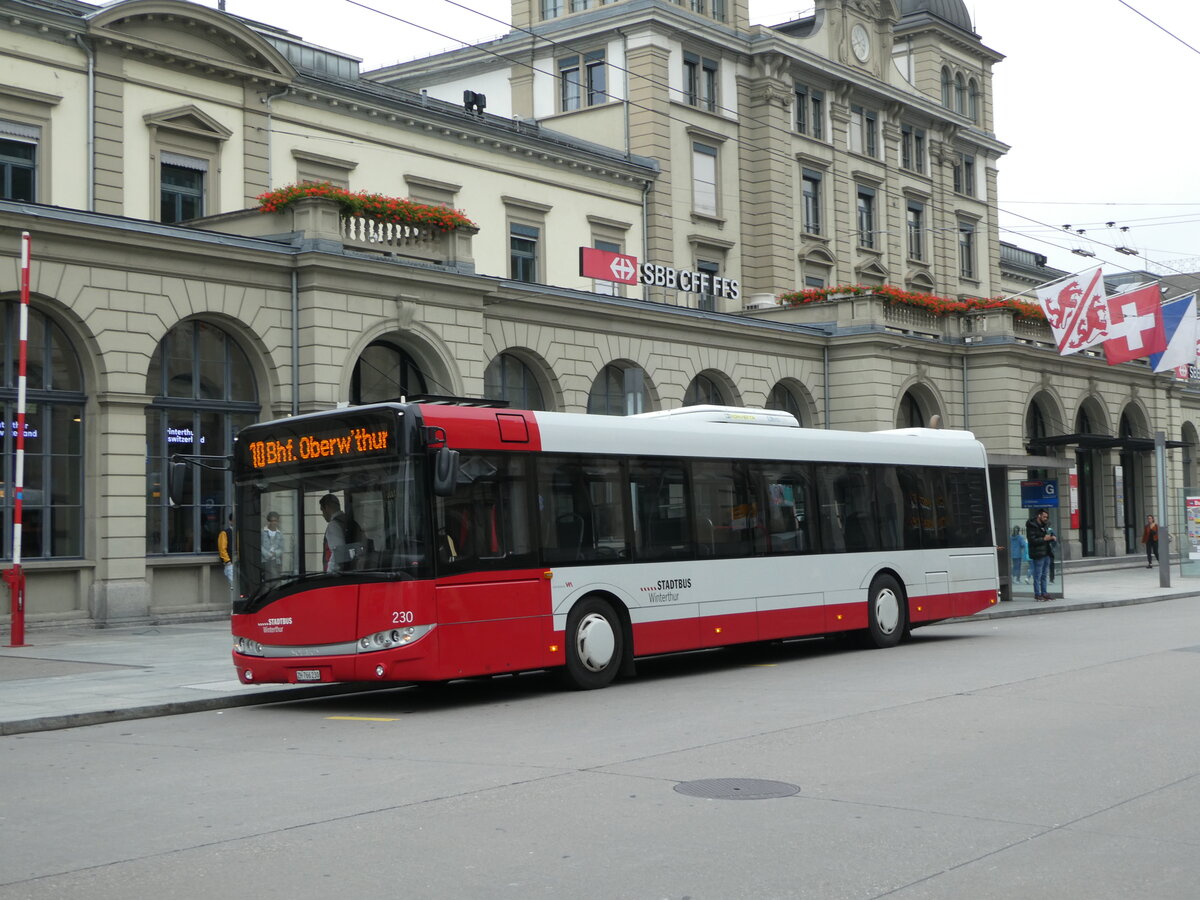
<point>1095,101</point>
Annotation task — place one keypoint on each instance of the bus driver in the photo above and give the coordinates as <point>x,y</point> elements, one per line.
<point>340,533</point>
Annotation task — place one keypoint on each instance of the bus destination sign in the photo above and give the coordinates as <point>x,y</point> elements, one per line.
<point>355,442</point>
<point>302,443</point>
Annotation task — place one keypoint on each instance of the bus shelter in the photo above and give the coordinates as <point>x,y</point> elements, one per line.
<point>1012,507</point>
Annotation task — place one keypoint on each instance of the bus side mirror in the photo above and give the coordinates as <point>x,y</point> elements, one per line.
<point>176,481</point>
<point>445,472</point>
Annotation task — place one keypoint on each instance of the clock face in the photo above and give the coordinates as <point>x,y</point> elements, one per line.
<point>860,43</point>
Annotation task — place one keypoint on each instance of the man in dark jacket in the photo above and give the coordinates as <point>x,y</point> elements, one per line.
<point>1041,549</point>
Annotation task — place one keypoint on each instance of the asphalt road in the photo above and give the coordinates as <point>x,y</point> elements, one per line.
<point>1033,757</point>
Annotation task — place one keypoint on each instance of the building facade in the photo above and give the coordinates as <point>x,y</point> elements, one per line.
<point>854,146</point>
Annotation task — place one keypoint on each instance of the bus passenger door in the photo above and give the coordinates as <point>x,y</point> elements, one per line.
<point>493,601</point>
<point>499,622</point>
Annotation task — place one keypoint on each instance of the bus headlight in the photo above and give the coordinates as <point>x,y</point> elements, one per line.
<point>248,647</point>
<point>393,637</point>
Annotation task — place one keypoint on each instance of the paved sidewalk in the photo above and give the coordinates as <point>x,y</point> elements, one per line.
<point>68,677</point>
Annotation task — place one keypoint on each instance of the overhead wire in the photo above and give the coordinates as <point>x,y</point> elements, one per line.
<point>1160,27</point>
<point>1167,266</point>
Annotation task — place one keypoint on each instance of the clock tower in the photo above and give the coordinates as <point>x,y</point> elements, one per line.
<point>860,42</point>
<point>863,32</point>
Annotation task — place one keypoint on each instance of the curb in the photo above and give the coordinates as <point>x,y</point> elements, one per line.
<point>1059,607</point>
<point>176,708</point>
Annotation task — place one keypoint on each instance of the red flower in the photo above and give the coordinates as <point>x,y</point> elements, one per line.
<point>398,211</point>
<point>939,306</point>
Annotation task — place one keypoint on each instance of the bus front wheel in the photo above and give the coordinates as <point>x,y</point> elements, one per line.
<point>886,612</point>
<point>594,644</point>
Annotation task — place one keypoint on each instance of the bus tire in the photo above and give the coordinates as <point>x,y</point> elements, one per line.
<point>887,610</point>
<point>595,645</point>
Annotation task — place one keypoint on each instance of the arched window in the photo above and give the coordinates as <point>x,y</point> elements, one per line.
<point>1083,422</point>
<point>1125,427</point>
<point>947,88</point>
<point>703,390</point>
<point>385,372</point>
<point>1190,440</point>
<point>204,393</point>
<point>960,94</point>
<point>784,400</point>
<point>911,414</point>
<point>52,502</point>
<point>1035,423</point>
<point>619,391</point>
<point>508,378</point>
<point>973,100</point>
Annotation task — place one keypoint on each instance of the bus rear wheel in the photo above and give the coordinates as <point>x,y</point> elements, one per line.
<point>595,644</point>
<point>886,612</point>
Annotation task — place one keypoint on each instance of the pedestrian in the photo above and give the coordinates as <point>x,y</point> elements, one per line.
<point>1150,539</point>
<point>1018,548</point>
<point>272,549</point>
<point>341,535</point>
<point>225,546</point>
<point>1053,539</point>
<point>1041,541</point>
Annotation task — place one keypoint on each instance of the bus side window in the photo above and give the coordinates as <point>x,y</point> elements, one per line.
<point>560,510</point>
<point>726,509</point>
<point>924,515</point>
<point>847,508</point>
<point>968,524</point>
<point>579,505</point>
<point>659,495</point>
<point>889,499</point>
<point>486,523</point>
<point>788,496</point>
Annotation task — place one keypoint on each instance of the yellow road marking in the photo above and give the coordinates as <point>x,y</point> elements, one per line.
<point>358,719</point>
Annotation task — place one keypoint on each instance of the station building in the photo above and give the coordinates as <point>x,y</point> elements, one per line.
<point>852,147</point>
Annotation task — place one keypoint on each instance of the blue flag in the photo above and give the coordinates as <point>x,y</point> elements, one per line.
<point>1179,323</point>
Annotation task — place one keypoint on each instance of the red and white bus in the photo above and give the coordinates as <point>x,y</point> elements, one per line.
<point>466,541</point>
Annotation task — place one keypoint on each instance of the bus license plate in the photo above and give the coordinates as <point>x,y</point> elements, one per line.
<point>308,674</point>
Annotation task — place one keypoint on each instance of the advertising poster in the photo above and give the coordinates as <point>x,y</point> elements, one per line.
<point>1192,511</point>
<point>1074,486</point>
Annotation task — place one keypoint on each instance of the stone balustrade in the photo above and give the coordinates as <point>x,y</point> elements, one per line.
<point>873,311</point>
<point>317,222</point>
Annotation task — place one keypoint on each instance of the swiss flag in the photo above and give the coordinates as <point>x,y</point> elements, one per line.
<point>1135,325</point>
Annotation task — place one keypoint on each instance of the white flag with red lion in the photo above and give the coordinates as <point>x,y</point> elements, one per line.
<point>1077,310</point>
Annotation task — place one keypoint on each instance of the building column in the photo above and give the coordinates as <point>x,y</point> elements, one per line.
<point>109,158</point>
<point>943,222</point>
<point>650,121</point>
<point>767,179</point>
<point>120,593</point>
<point>840,205</point>
<point>894,213</point>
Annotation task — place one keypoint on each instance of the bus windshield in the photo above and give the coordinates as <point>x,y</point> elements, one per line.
<point>334,522</point>
<point>329,496</point>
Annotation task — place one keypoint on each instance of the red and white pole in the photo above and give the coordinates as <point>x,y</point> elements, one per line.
<point>15,576</point>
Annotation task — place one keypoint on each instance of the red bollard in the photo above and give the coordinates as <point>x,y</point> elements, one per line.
<point>16,587</point>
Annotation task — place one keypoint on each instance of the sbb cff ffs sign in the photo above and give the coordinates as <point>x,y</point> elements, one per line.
<point>624,269</point>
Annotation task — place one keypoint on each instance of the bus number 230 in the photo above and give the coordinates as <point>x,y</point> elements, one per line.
<point>402,618</point>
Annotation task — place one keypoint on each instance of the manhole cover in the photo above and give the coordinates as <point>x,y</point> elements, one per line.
<point>737,789</point>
